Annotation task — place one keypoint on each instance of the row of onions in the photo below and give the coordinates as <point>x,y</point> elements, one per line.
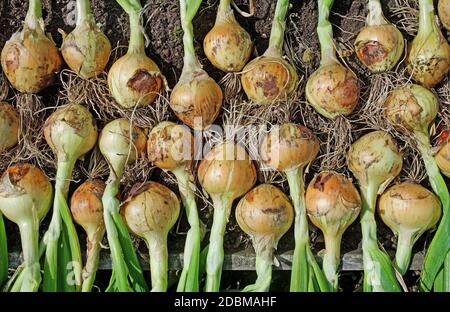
<point>226,173</point>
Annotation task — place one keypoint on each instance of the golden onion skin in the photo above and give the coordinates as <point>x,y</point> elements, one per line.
<point>170,146</point>
<point>86,50</point>
<point>410,207</point>
<point>332,202</point>
<point>289,146</point>
<point>374,159</point>
<point>227,168</point>
<point>429,58</point>
<point>412,107</point>
<point>71,131</point>
<point>9,126</point>
<point>333,90</point>
<point>30,60</point>
<point>20,180</point>
<point>134,79</point>
<point>379,47</point>
<point>151,207</point>
<point>268,78</point>
<point>196,100</point>
<point>443,159</point>
<point>266,211</point>
<point>227,45</point>
<point>87,207</point>
<point>444,12</point>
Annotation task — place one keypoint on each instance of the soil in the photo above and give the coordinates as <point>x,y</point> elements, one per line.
<point>164,38</point>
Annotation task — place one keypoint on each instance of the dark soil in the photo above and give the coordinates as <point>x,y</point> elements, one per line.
<point>164,37</point>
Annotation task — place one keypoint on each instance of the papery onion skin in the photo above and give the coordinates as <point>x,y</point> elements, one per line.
<point>227,168</point>
<point>134,79</point>
<point>332,202</point>
<point>71,131</point>
<point>444,12</point>
<point>379,47</point>
<point>26,179</point>
<point>227,45</point>
<point>289,146</point>
<point>268,78</point>
<point>412,107</point>
<point>9,126</point>
<point>333,90</point>
<point>443,159</point>
<point>196,100</point>
<point>86,206</point>
<point>170,146</point>
<point>265,210</point>
<point>30,61</point>
<point>86,50</point>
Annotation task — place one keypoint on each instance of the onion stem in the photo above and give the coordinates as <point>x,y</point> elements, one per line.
<point>214,261</point>
<point>264,258</point>
<point>92,258</point>
<point>30,242</point>
<point>188,9</point>
<point>84,12</point>
<point>331,259</point>
<point>133,8</point>
<point>375,15</point>
<point>189,279</point>
<point>405,243</point>
<point>325,33</point>
<point>426,17</point>
<point>158,260</point>
<point>3,253</point>
<point>278,27</point>
<point>34,13</point>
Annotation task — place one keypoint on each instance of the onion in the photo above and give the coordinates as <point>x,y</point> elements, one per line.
<point>196,99</point>
<point>70,132</point>
<point>86,49</point>
<point>444,12</point>
<point>290,148</point>
<point>379,45</point>
<point>269,77</point>
<point>443,158</point>
<point>412,109</point>
<point>87,210</point>
<point>409,210</point>
<point>225,173</point>
<point>25,198</point>
<point>265,214</point>
<point>120,143</point>
<point>171,147</point>
<point>332,203</point>
<point>29,58</point>
<point>134,79</point>
<point>227,45</point>
<point>375,161</point>
<point>429,53</point>
<point>9,126</point>
<point>332,90</point>
<point>150,212</point>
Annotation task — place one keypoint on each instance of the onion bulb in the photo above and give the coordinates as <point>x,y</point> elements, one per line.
<point>429,53</point>
<point>71,132</point>
<point>332,203</point>
<point>25,198</point>
<point>379,45</point>
<point>121,143</point>
<point>86,49</point>
<point>375,161</point>
<point>409,210</point>
<point>443,158</point>
<point>227,45</point>
<point>196,99</point>
<point>225,173</point>
<point>150,212</point>
<point>9,126</point>
<point>270,77</point>
<point>87,210</point>
<point>290,148</point>
<point>171,147</point>
<point>134,79</point>
<point>265,214</point>
<point>444,12</point>
<point>29,58</point>
<point>332,90</point>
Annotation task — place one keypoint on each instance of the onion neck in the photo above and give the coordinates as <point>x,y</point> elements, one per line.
<point>136,44</point>
<point>426,18</point>
<point>157,248</point>
<point>188,9</point>
<point>278,26</point>
<point>63,175</point>
<point>264,246</point>
<point>84,13</point>
<point>225,13</point>
<point>325,33</point>
<point>375,16</point>
<point>34,15</point>
<point>331,259</point>
<point>368,223</point>
<point>405,243</point>
<point>30,241</point>
<point>93,255</point>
